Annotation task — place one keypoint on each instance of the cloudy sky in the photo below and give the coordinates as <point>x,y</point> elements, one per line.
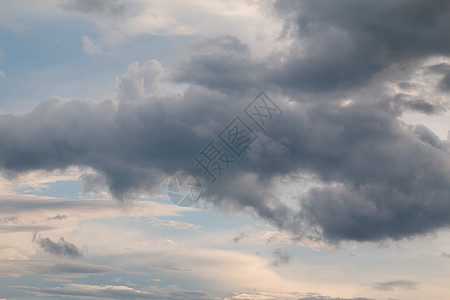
<point>316,130</point>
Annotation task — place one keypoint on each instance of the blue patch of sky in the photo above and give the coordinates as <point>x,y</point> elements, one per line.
<point>46,59</point>
<point>59,189</point>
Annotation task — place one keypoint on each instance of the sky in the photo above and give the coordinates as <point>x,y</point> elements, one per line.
<point>258,149</point>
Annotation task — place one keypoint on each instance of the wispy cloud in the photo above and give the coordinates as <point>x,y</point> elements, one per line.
<point>356,159</point>
<point>175,224</point>
<point>117,292</point>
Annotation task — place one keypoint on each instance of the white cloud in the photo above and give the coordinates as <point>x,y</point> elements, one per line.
<point>89,46</point>
<point>249,21</point>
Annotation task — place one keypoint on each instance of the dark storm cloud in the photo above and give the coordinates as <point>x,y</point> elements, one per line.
<point>338,46</point>
<point>20,228</point>
<point>315,296</point>
<point>421,105</point>
<point>377,177</point>
<point>59,248</point>
<point>395,284</point>
<point>95,134</point>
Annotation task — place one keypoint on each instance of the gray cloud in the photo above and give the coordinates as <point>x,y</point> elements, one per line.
<point>98,7</point>
<point>363,147</point>
<point>443,69</point>
<point>395,284</point>
<point>401,103</point>
<point>444,85</point>
<point>152,292</point>
<point>67,269</point>
<point>427,136</point>
<point>281,257</point>
<point>59,248</point>
<point>58,217</point>
<point>238,238</point>
<point>13,224</point>
<point>21,228</point>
